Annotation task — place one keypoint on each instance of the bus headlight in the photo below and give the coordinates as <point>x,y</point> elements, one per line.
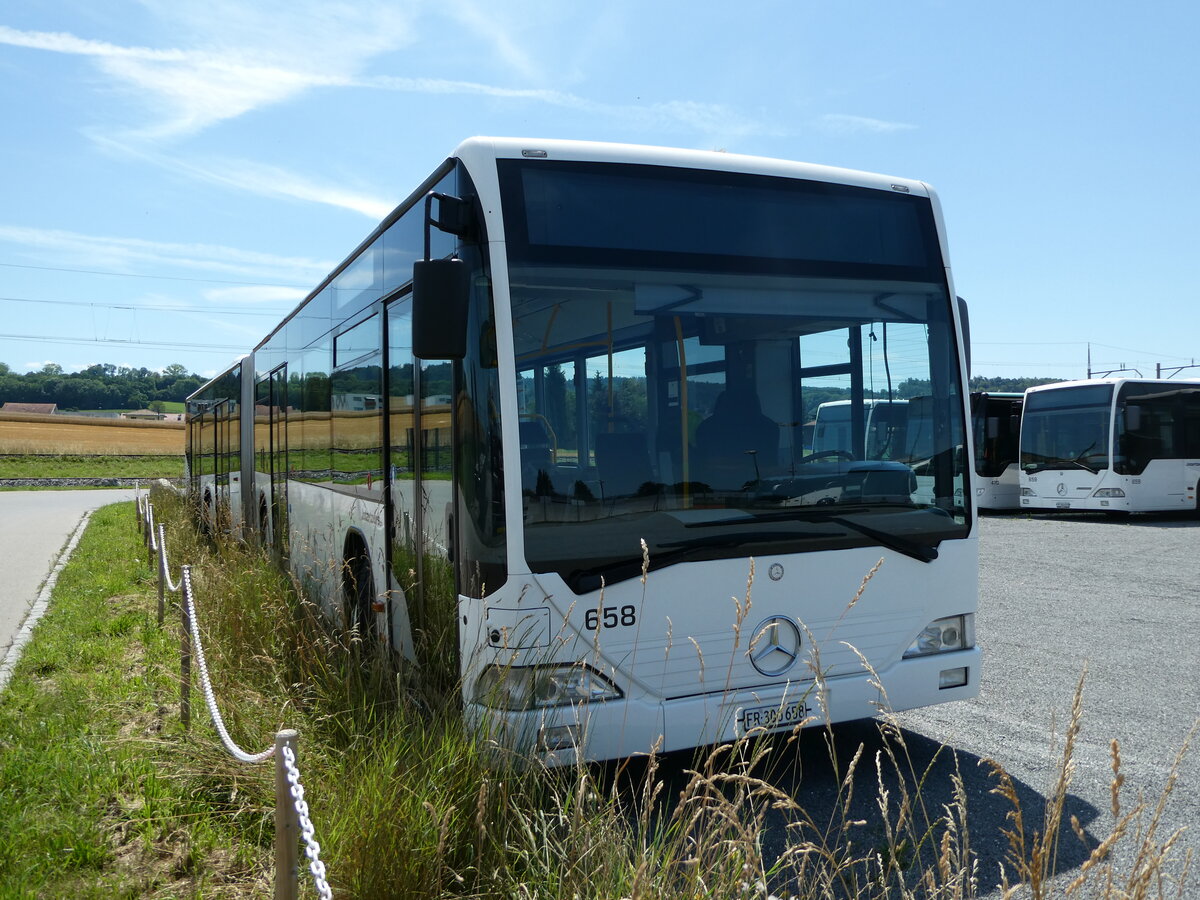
<point>1109,492</point>
<point>535,687</point>
<point>941,636</point>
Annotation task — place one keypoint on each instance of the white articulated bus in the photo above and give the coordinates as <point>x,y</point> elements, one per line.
<point>996,428</point>
<point>558,364</point>
<point>1112,444</point>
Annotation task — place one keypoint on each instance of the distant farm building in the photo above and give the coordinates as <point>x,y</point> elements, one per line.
<point>40,409</point>
<point>145,414</point>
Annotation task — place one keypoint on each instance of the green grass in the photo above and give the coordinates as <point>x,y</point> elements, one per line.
<point>82,466</point>
<point>90,809</point>
<point>103,794</point>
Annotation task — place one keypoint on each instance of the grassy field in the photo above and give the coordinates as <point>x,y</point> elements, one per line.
<point>80,447</point>
<point>26,466</point>
<point>82,436</point>
<point>104,794</point>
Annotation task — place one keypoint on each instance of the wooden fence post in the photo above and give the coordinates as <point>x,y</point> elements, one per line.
<point>287,828</point>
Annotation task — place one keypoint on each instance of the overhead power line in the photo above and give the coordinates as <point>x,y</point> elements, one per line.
<point>225,311</point>
<point>153,277</point>
<point>156,345</point>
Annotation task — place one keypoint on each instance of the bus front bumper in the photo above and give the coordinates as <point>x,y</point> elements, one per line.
<point>633,726</point>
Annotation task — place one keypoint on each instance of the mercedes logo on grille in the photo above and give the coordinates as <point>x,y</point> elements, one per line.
<point>774,646</point>
<point>1062,488</point>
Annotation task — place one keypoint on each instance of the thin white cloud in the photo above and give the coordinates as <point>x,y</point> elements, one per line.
<point>190,90</point>
<point>60,42</point>
<point>68,248</point>
<point>252,294</point>
<point>704,117</point>
<point>841,124</point>
<point>272,181</point>
<point>254,178</point>
<point>483,22</point>
<point>243,57</point>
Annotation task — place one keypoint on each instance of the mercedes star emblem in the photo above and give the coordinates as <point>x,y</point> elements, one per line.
<point>774,646</point>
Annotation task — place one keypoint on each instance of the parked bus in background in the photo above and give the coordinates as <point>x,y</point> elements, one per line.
<point>886,423</point>
<point>558,365</point>
<point>996,428</point>
<point>1111,444</point>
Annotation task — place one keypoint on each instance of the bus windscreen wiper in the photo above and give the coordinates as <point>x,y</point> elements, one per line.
<point>921,552</point>
<point>1057,462</point>
<point>913,549</point>
<point>675,551</point>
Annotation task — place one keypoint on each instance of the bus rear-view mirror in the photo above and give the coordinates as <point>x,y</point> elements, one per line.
<point>441,289</point>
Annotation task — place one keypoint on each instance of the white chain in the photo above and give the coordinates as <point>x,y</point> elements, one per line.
<point>234,750</point>
<point>311,848</point>
<point>172,586</point>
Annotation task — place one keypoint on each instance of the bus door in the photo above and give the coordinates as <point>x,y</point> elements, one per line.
<point>277,450</point>
<point>419,469</point>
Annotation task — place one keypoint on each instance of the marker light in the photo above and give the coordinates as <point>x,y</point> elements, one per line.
<point>952,678</point>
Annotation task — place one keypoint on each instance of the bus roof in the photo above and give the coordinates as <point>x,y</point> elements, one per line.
<point>478,148</point>
<point>1083,382</point>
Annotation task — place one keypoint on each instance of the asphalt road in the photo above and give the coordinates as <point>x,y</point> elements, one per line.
<point>1120,598</point>
<point>34,526</point>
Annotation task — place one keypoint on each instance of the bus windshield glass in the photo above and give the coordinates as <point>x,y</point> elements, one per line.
<point>1066,428</point>
<point>996,426</point>
<point>676,333</point>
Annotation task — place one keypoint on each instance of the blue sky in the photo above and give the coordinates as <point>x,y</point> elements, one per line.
<point>176,174</point>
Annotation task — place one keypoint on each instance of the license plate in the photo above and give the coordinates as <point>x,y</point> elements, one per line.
<point>773,717</point>
<point>1063,505</point>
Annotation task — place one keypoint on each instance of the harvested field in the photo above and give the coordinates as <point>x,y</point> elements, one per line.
<point>79,435</point>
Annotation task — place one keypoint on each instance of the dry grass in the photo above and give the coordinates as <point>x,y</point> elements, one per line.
<point>83,436</point>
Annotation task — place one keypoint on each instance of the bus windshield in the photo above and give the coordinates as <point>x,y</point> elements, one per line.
<point>1066,428</point>
<point>996,426</point>
<point>676,330</point>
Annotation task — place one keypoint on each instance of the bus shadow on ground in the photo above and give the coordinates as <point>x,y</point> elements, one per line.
<point>812,769</point>
<point>1181,519</point>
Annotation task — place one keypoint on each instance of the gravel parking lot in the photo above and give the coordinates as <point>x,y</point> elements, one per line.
<point>1058,594</point>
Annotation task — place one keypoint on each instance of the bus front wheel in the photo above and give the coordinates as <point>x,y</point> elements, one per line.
<point>358,591</point>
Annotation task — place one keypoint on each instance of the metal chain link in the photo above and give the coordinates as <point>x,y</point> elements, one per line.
<point>311,848</point>
<point>172,586</point>
<point>205,685</point>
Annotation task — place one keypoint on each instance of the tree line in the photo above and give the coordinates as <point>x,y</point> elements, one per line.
<point>105,386</point>
<point>919,387</point>
<point>102,386</point>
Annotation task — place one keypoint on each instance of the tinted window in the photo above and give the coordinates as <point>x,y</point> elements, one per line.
<point>561,211</point>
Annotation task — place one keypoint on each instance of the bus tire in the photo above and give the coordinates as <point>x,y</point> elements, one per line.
<point>358,590</point>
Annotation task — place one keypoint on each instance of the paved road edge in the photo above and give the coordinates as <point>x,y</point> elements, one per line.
<point>40,605</point>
